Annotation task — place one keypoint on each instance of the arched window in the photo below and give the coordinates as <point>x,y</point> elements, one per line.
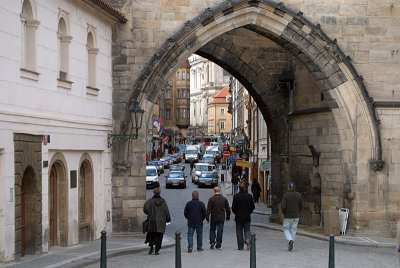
<point>64,41</point>
<point>28,37</point>
<point>91,61</point>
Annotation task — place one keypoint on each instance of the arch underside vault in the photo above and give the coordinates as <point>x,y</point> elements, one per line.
<point>259,42</point>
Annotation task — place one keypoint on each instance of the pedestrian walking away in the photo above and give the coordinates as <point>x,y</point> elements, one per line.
<point>292,205</point>
<point>245,182</point>
<point>195,213</point>
<point>157,212</point>
<point>242,207</point>
<point>218,211</point>
<point>256,190</point>
<point>235,183</point>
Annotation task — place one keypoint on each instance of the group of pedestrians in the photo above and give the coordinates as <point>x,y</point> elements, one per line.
<point>216,213</point>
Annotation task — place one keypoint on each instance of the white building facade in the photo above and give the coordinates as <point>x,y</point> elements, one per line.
<point>206,79</point>
<point>55,117</point>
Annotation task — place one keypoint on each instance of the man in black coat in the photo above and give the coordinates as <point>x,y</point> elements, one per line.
<point>195,213</point>
<point>242,207</point>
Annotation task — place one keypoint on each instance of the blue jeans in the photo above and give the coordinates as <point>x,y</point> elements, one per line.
<point>235,189</point>
<point>290,228</point>
<point>219,227</point>
<point>199,234</point>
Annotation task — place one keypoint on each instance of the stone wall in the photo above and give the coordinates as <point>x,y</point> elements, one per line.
<point>28,177</point>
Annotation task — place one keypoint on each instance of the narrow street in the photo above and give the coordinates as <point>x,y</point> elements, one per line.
<point>271,245</point>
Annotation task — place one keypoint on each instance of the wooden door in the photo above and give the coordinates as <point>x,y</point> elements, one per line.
<point>23,233</point>
<point>53,207</point>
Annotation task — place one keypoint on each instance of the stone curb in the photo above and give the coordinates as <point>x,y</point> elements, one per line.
<point>339,239</point>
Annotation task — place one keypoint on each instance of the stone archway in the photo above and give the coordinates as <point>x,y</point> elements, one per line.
<point>348,100</point>
<point>28,195</point>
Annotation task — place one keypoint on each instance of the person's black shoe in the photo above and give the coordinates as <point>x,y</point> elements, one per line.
<point>189,250</point>
<point>290,246</point>
<point>151,250</point>
<point>212,246</point>
<point>156,253</point>
<point>200,249</point>
<point>240,248</point>
<point>218,246</point>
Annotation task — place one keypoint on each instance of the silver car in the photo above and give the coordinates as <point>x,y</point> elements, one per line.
<point>200,167</point>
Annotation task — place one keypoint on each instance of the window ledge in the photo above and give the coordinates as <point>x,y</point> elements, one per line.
<point>92,91</point>
<point>29,74</point>
<point>64,84</point>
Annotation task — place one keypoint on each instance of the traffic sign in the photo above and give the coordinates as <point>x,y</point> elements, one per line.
<point>227,154</point>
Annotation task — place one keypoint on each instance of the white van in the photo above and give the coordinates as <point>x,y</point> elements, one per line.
<point>192,153</point>
<point>151,177</point>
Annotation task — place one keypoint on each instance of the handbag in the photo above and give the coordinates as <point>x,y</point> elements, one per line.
<point>145,225</point>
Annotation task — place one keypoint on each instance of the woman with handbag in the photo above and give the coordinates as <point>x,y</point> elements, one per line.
<point>157,212</point>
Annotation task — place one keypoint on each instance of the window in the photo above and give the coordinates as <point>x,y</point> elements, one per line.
<point>168,94</point>
<point>184,93</point>
<point>222,111</point>
<point>177,75</point>
<point>63,49</point>
<point>168,113</point>
<point>222,125</point>
<point>28,38</point>
<point>91,60</point>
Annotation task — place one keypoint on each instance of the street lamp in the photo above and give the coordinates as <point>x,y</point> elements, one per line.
<point>136,116</point>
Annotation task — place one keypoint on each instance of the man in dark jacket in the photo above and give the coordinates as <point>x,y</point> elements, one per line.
<point>217,207</point>
<point>292,205</point>
<point>157,212</point>
<point>242,207</point>
<point>195,213</point>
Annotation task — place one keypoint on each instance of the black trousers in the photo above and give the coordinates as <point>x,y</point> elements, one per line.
<point>155,239</point>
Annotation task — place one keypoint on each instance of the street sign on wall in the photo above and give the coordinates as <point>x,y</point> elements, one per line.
<point>227,154</point>
<point>265,165</point>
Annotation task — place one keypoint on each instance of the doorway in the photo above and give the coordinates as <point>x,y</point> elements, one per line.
<point>85,199</point>
<point>58,206</point>
<point>28,210</point>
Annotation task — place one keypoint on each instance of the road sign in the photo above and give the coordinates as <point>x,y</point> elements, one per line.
<point>227,154</point>
<point>232,149</point>
<point>241,163</point>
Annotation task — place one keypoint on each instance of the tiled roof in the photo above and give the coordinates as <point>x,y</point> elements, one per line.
<point>220,96</point>
<point>103,5</point>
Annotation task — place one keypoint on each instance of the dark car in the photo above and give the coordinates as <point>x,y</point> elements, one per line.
<point>208,178</point>
<point>158,164</point>
<point>175,179</point>
<point>177,167</point>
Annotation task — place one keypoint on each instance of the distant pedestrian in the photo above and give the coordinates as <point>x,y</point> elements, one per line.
<point>292,205</point>
<point>235,183</point>
<point>244,182</point>
<point>217,208</point>
<point>195,213</point>
<point>191,165</point>
<point>242,207</point>
<point>255,190</point>
<point>157,212</point>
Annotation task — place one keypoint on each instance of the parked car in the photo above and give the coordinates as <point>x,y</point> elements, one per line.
<point>199,168</point>
<point>151,177</point>
<point>175,178</point>
<point>158,164</point>
<point>177,167</point>
<point>208,178</point>
<point>167,161</point>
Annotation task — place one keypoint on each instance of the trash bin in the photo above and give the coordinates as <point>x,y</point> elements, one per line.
<point>222,177</point>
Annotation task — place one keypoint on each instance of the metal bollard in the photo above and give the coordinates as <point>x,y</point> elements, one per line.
<point>331,251</point>
<point>253,251</point>
<point>103,252</point>
<point>178,261</point>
